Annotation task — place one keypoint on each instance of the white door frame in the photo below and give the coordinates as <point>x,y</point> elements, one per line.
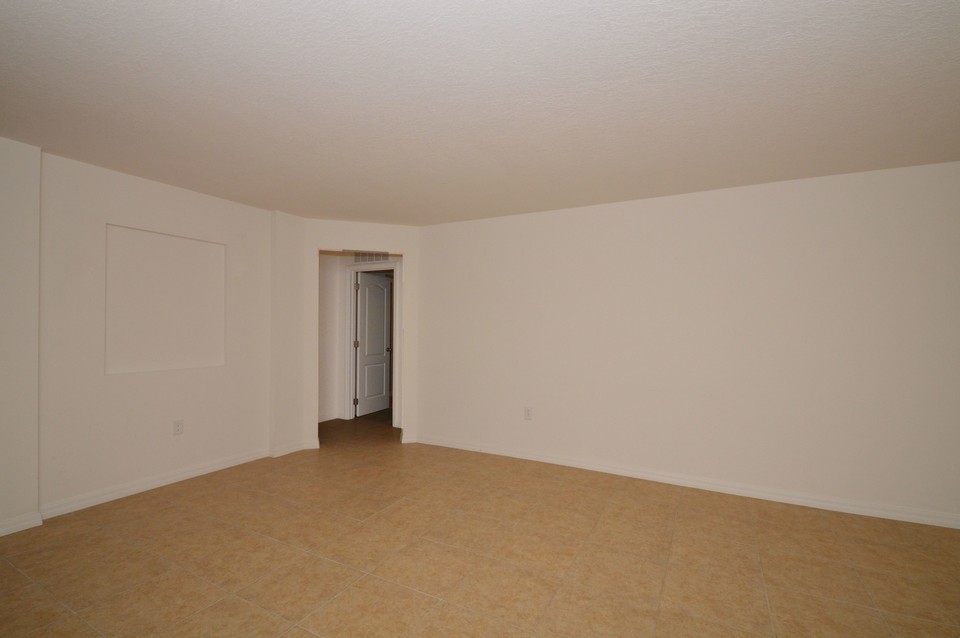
<point>396,265</point>
<point>372,348</point>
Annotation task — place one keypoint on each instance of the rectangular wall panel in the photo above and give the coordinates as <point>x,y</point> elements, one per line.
<point>164,301</point>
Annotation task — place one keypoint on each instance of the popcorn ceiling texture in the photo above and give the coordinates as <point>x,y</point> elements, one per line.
<point>420,112</point>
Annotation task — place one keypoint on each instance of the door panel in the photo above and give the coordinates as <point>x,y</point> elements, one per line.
<point>373,343</point>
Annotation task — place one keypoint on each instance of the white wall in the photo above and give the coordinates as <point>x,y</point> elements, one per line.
<point>796,340</point>
<point>287,275</point>
<point>102,435</point>
<point>19,313</point>
<point>331,381</point>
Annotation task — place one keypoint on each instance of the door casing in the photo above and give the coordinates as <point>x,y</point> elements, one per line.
<point>396,265</point>
<point>374,303</point>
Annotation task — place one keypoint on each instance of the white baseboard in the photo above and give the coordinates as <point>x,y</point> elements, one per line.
<point>20,523</point>
<point>289,448</point>
<point>79,502</point>
<point>911,515</point>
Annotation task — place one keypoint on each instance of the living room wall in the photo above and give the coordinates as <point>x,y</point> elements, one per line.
<point>108,431</point>
<point>19,334</point>
<point>795,341</point>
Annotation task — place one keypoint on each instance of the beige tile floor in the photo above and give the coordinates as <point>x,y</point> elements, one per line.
<point>367,537</point>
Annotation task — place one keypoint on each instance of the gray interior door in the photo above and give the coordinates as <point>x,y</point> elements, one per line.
<point>373,342</point>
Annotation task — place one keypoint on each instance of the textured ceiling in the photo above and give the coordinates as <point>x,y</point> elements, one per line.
<point>426,111</point>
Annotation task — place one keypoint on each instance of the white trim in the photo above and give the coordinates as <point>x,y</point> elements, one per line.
<point>290,448</point>
<point>895,512</point>
<point>74,503</point>
<point>396,265</point>
<point>20,523</point>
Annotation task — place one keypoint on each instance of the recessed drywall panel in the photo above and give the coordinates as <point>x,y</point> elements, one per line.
<point>165,301</point>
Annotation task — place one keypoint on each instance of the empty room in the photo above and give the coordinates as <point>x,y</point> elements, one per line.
<point>482,319</point>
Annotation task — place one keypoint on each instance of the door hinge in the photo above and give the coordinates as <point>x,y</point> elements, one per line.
<point>356,286</point>
<point>356,344</point>
<point>356,401</point>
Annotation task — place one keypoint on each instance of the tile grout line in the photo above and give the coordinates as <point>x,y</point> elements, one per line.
<point>666,570</point>
<point>859,572</point>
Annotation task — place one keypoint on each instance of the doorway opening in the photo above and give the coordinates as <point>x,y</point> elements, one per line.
<point>361,294</point>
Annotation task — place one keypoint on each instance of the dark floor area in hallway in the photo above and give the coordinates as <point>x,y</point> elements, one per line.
<point>375,426</point>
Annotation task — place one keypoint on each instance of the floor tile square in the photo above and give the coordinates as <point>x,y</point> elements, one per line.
<point>716,597</point>
<point>576,612</point>
<point>298,589</point>
<point>506,593</point>
<point>153,606</point>
<point>448,621</point>
<point>429,567</point>
<point>797,615</point>
<point>815,576</point>
<point>229,618</point>
<point>27,607</point>
<point>371,608</point>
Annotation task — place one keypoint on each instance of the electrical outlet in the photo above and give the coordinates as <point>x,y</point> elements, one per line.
<point>178,426</point>
<point>528,414</point>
